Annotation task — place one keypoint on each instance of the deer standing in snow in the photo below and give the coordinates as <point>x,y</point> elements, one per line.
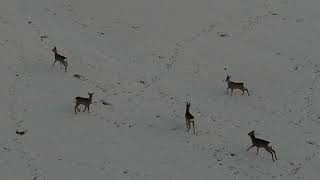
<point>235,85</point>
<point>260,143</point>
<point>84,101</point>
<point>189,118</point>
<point>60,58</point>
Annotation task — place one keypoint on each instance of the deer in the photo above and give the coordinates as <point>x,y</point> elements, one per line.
<point>59,58</point>
<point>84,101</point>
<point>235,85</point>
<point>260,143</point>
<point>189,118</point>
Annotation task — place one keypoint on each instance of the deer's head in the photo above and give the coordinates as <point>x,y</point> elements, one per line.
<point>251,133</point>
<point>54,50</point>
<point>188,105</point>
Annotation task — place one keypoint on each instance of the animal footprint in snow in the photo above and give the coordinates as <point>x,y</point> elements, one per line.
<point>21,132</point>
<point>222,34</point>
<point>82,78</point>
<point>105,103</point>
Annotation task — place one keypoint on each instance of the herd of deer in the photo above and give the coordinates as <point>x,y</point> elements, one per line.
<point>256,142</point>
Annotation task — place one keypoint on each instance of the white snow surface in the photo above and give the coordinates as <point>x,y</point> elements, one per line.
<point>145,59</point>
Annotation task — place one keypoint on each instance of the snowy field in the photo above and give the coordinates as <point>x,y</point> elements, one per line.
<point>143,59</point>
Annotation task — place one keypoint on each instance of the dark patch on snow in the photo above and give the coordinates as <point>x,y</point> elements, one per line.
<point>21,132</point>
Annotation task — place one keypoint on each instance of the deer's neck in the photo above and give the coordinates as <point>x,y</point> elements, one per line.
<point>187,110</point>
<point>252,138</point>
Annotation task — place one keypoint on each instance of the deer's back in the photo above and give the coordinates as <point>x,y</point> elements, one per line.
<point>235,84</point>
<point>260,142</point>
<point>82,100</point>
<point>60,57</point>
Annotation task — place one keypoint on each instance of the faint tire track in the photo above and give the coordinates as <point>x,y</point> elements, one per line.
<point>311,114</point>
<point>178,49</point>
<point>24,155</point>
<point>249,23</point>
<point>68,7</point>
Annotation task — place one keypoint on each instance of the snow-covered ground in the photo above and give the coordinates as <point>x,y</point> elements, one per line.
<point>145,59</point>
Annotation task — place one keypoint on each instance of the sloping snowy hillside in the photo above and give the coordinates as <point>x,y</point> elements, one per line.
<point>143,59</point>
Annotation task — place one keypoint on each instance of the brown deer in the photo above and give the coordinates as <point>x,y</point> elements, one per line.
<point>84,101</point>
<point>189,118</point>
<point>60,58</point>
<point>235,85</point>
<point>260,143</point>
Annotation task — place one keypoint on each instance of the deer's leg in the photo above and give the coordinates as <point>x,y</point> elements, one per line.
<point>54,62</point>
<point>247,91</point>
<point>231,91</point>
<point>189,126</point>
<point>88,108</point>
<point>250,147</point>
<point>274,152</point>
<point>85,107</point>
<point>270,151</point>
<point>75,108</point>
<point>61,65</point>
<point>257,150</point>
<point>194,129</point>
